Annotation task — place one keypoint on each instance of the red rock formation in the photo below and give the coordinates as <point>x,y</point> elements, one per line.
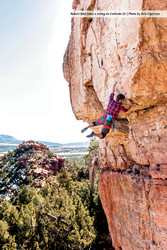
<point>136,210</point>
<point>39,160</point>
<point>33,145</point>
<point>132,51</point>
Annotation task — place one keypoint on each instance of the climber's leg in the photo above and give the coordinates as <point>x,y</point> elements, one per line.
<point>104,132</point>
<point>98,122</point>
<point>100,136</point>
<point>97,135</point>
<point>89,126</point>
<point>106,128</point>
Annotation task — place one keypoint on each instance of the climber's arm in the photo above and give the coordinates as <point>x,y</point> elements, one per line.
<point>114,87</point>
<point>113,91</point>
<point>131,105</point>
<point>126,109</point>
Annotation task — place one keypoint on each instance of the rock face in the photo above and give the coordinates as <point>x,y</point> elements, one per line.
<point>93,165</point>
<point>133,52</point>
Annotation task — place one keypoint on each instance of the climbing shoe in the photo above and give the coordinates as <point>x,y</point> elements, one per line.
<point>84,129</point>
<point>91,135</point>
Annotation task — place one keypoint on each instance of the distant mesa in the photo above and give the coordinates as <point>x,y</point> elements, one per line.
<point>9,139</point>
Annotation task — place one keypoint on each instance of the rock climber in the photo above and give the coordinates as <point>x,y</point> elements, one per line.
<point>113,109</point>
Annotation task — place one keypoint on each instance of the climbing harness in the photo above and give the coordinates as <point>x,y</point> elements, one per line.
<point>109,118</point>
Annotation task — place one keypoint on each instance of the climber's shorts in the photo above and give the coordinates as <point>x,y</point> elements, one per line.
<point>106,124</point>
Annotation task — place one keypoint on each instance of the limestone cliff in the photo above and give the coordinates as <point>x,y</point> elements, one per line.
<point>133,51</point>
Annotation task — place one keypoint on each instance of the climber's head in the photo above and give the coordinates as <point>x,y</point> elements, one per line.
<point>120,98</point>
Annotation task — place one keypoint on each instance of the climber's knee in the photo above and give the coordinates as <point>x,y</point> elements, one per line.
<point>105,131</point>
<point>104,134</point>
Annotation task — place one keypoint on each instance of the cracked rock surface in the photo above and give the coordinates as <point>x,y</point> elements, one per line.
<point>133,158</point>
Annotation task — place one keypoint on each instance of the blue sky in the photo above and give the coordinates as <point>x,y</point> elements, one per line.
<point>34,96</point>
<point>25,28</point>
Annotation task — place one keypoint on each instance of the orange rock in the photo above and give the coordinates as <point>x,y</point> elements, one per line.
<point>133,52</point>
<point>135,210</point>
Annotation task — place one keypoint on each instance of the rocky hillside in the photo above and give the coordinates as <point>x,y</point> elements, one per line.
<point>133,180</point>
<point>30,161</point>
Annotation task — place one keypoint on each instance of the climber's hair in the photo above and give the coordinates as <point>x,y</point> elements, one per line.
<point>120,97</point>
